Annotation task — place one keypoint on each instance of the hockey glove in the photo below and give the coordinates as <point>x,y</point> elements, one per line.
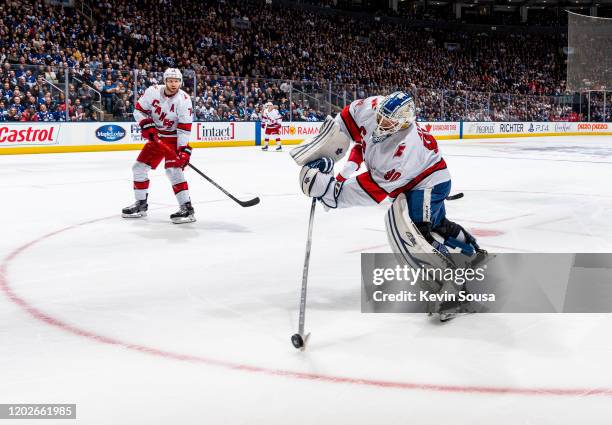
<point>148,130</point>
<point>184,154</point>
<point>316,177</point>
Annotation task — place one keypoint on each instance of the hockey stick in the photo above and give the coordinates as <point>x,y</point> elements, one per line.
<point>248,203</point>
<point>299,339</point>
<point>455,196</point>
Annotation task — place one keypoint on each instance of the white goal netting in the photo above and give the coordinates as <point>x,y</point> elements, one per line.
<point>589,63</point>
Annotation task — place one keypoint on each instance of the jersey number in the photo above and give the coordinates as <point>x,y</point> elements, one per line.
<point>392,175</point>
<point>429,141</point>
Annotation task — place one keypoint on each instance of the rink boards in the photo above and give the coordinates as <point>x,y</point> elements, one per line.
<point>20,138</point>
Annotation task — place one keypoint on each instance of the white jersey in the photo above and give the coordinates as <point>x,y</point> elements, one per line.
<point>272,119</point>
<point>406,160</point>
<point>172,115</point>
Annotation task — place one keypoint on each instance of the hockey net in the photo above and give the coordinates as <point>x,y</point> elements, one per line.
<point>589,50</point>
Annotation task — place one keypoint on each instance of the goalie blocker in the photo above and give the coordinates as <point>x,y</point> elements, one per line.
<point>330,143</point>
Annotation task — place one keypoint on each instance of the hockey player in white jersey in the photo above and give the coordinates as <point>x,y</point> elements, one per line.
<point>165,114</point>
<point>403,162</point>
<point>271,122</point>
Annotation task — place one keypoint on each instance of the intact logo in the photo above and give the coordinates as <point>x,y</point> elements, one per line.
<point>110,133</point>
<point>216,131</point>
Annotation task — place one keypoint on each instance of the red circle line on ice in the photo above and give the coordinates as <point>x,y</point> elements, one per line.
<point>75,330</point>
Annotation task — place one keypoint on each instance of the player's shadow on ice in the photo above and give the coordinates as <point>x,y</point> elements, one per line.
<point>152,228</point>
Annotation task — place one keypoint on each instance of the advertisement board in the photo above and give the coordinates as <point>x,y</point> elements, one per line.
<point>16,138</point>
<point>442,130</point>
<point>28,134</point>
<point>483,130</point>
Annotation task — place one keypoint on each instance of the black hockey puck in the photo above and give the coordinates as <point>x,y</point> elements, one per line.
<point>297,341</point>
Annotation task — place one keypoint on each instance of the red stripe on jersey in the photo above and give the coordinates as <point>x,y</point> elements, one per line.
<point>141,185</point>
<point>179,187</point>
<point>370,187</point>
<point>350,124</point>
<point>141,109</point>
<point>440,165</point>
<point>356,154</point>
<point>167,132</point>
<point>184,126</point>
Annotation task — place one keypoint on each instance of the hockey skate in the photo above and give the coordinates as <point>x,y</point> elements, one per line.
<point>136,210</point>
<point>279,148</point>
<point>184,215</point>
<point>265,148</point>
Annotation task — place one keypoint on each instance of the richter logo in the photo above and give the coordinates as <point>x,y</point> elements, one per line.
<point>110,133</point>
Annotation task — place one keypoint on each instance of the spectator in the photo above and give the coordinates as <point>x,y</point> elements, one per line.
<point>108,92</point>
<point>85,95</point>
<point>44,115</point>
<point>98,83</point>
<point>17,105</point>
<point>13,115</point>
<point>3,111</point>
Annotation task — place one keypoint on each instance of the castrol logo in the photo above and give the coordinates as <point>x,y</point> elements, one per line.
<point>28,135</point>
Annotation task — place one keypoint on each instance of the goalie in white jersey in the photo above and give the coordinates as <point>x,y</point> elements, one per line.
<point>403,161</point>
<point>164,113</point>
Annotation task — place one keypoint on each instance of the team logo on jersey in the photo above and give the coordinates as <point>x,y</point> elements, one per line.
<point>392,175</point>
<point>110,133</point>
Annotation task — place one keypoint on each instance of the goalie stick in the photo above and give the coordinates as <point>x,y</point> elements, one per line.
<point>299,340</point>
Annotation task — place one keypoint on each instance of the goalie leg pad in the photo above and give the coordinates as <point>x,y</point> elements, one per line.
<point>407,241</point>
<point>411,247</point>
<point>330,142</point>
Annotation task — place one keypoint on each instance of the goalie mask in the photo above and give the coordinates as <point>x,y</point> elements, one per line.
<point>173,73</point>
<point>395,112</point>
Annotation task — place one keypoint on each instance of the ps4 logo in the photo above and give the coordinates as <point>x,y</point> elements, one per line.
<point>110,133</point>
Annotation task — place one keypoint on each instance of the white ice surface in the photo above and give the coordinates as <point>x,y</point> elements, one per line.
<point>145,322</point>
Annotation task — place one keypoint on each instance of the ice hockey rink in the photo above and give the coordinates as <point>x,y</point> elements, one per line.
<point>146,322</point>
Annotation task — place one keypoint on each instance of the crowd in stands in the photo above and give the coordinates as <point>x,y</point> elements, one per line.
<point>238,55</point>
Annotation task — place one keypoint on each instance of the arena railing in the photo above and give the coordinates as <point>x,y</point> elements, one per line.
<point>218,98</point>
